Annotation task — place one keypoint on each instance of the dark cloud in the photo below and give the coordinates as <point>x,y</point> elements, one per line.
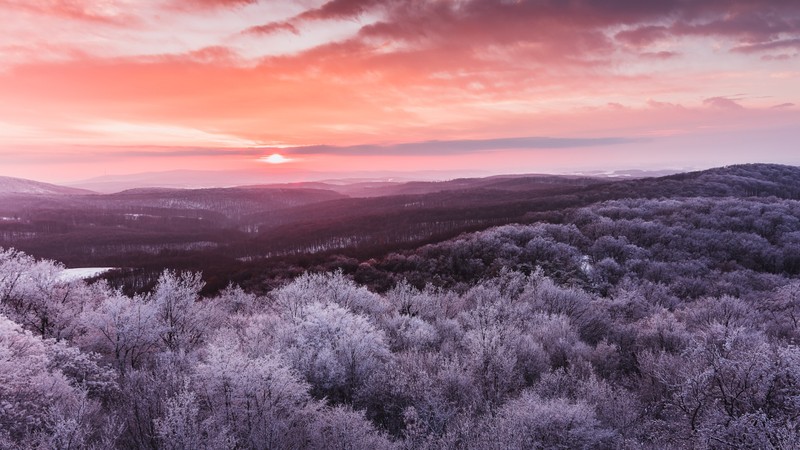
<point>342,9</point>
<point>273,27</point>
<point>642,36</point>
<point>189,4</point>
<point>576,29</point>
<point>332,10</point>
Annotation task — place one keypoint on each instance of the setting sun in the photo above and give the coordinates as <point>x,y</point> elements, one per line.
<point>275,158</point>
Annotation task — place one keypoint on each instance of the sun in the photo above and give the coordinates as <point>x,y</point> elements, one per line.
<point>275,158</point>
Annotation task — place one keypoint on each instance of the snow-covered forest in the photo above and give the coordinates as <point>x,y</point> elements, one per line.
<point>664,323</point>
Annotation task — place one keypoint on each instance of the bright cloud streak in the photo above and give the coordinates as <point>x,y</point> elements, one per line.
<point>171,76</point>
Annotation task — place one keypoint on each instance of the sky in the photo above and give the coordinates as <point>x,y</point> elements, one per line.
<point>312,87</point>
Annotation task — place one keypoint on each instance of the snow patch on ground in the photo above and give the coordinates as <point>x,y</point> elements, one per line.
<point>82,273</point>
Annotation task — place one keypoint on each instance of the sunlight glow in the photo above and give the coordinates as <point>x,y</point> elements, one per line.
<point>275,158</point>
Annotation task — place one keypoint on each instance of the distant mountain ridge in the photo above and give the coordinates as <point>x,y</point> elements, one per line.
<point>204,179</point>
<point>225,231</point>
<point>14,186</point>
<point>740,179</point>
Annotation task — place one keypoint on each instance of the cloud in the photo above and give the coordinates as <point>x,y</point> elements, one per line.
<point>422,148</point>
<point>455,147</point>
<point>211,55</point>
<point>272,28</point>
<point>779,57</point>
<point>471,35</point>
<point>341,9</point>
<point>783,105</point>
<point>194,4</point>
<point>660,55</point>
<point>107,12</point>
<point>331,10</point>
<point>655,104</point>
<point>429,148</point>
<point>179,152</point>
<point>642,36</point>
<point>722,103</point>
<point>780,44</point>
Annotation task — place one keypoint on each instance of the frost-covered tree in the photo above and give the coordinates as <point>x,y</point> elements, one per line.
<point>726,376</point>
<point>531,422</point>
<point>323,288</point>
<point>182,318</point>
<point>39,404</point>
<point>181,428</point>
<point>234,300</point>
<point>14,266</point>
<point>261,401</point>
<point>337,351</point>
<point>127,329</point>
<point>35,296</point>
<point>341,428</point>
<point>490,353</point>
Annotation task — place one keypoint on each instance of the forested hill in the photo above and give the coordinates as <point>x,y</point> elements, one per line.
<point>17,186</point>
<point>758,180</point>
<point>652,221</point>
<point>379,224</point>
<point>254,234</point>
<point>738,221</point>
<point>696,246</point>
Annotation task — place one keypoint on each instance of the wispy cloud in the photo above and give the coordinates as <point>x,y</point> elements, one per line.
<point>456,147</point>
<point>722,103</point>
<point>429,148</point>
<point>273,27</point>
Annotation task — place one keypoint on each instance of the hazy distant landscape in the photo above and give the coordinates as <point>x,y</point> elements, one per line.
<point>235,233</point>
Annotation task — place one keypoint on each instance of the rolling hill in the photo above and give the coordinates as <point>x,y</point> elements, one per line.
<point>254,232</point>
<point>20,186</point>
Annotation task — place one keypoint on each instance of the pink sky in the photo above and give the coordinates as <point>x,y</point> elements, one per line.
<point>90,88</point>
